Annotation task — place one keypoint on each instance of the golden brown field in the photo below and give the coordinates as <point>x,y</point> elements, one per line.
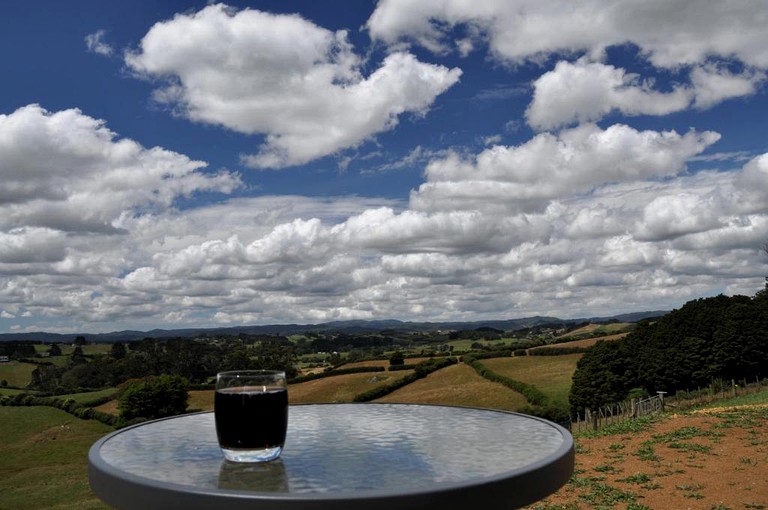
<point>587,342</point>
<point>458,385</point>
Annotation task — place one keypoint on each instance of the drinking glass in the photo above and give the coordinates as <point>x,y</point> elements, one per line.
<point>251,413</point>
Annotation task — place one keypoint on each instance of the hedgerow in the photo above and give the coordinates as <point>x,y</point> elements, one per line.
<point>421,370</point>
<point>331,373</point>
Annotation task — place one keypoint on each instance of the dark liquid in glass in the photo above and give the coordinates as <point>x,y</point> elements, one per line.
<point>250,418</point>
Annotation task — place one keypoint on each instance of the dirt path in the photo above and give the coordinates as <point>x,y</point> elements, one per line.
<point>715,459</point>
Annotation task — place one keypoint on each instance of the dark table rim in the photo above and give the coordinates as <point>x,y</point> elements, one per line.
<point>527,484</point>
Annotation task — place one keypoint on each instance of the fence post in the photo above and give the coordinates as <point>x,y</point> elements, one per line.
<point>661,399</point>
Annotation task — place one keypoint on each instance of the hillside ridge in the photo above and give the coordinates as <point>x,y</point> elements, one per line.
<point>350,327</point>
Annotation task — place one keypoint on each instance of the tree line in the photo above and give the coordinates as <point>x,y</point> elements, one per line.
<point>195,360</point>
<point>705,340</point>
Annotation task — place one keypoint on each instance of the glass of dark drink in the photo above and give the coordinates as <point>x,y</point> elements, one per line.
<point>251,413</point>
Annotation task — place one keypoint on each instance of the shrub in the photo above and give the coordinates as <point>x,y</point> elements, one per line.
<point>406,366</point>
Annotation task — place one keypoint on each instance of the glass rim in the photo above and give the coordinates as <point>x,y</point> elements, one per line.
<point>250,373</point>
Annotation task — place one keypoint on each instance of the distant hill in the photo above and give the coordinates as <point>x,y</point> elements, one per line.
<point>349,327</point>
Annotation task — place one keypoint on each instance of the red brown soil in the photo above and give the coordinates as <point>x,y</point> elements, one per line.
<point>715,459</point>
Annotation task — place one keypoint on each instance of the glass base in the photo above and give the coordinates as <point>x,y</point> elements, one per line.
<point>262,455</point>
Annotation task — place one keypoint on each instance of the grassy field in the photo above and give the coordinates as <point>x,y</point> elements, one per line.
<point>752,399</point>
<point>466,344</point>
<point>586,342</point>
<point>90,396</point>
<point>600,329</point>
<point>457,385</point>
<point>370,363</point>
<point>16,373</point>
<point>380,363</point>
<point>10,391</point>
<point>340,388</point>
<point>44,452</point>
<point>44,464</point>
<point>550,374</point>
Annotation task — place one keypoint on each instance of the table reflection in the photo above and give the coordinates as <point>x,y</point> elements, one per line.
<point>258,477</point>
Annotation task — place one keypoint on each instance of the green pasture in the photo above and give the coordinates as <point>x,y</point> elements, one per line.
<point>59,361</point>
<point>44,452</point>
<point>457,385</point>
<point>89,396</point>
<point>10,392</point>
<point>752,399</point>
<point>550,374</point>
<point>16,373</point>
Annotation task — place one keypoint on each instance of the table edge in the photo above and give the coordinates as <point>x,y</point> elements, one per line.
<point>115,486</point>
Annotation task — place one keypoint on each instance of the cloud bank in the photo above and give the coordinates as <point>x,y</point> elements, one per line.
<point>588,216</point>
<point>559,223</point>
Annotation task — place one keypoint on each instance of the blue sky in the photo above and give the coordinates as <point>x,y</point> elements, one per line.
<point>177,164</point>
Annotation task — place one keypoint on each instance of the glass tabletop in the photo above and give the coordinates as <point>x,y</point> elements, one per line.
<point>341,452</point>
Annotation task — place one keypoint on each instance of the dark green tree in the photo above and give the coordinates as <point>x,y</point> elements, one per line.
<point>155,397</point>
<point>273,355</point>
<point>603,376</point>
<point>46,378</point>
<point>118,350</point>
<point>238,358</point>
<point>77,357</point>
<point>707,339</point>
<point>54,350</point>
<point>95,374</point>
<point>397,359</point>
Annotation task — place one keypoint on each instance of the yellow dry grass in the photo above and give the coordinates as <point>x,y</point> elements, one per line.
<point>587,342</point>
<point>340,388</point>
<point>458,385</point>
<point>380,363</point>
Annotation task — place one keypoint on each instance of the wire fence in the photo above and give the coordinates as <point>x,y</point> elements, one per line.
<point>592,420</point>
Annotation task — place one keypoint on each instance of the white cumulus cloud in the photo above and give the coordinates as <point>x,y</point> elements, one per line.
<point>526,177</point>
<point>585,91</point>
<point>669,33</point>
<point>284,77</point>
<point>67,171</point>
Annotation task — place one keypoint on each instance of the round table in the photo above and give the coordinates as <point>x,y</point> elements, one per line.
<point>341,456</point>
